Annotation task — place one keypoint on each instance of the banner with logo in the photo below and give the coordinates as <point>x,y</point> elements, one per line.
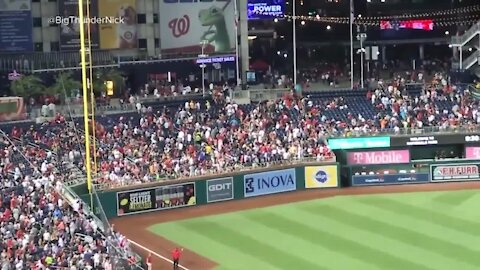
<point>16,26</point>
<point>220,189</point>
<point>321,176</point>
<point>70,28</point>
<point>455,172</point>
<point>120,34</point>
<point>151,199</point>
<point>264,183</point>
<point>185,24</point>
<point>135,201</point>
<point>358,143</point>
<point>390,179</point>
<point>378,157</point>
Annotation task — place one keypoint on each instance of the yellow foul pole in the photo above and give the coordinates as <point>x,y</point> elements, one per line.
<point>85,95</point>
<point>92,94</point>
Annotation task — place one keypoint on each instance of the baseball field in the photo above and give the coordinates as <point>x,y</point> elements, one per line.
<point>417,230</point>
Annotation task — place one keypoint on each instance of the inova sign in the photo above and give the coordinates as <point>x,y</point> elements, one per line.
<point>219,189</point>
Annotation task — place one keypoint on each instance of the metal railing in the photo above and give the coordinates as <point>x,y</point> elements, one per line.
<point>467,36</point>
<point>474,128</point>
<point>119,256</point>
<point>58,61</point>
<point>225,171</point>
<point>471,60</point>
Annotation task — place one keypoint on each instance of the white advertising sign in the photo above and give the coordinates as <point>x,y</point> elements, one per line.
<point>184,24</point>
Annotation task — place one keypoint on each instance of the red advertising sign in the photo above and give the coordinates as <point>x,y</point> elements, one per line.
<point>455,172</point>
<point>379,157</point>
<point>426,25</point>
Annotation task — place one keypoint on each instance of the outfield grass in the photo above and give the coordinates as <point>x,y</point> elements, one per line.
<point>427,231</point>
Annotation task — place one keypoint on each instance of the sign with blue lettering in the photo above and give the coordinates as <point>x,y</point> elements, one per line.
<point>264,183</point>
<point>390,179</point>
<point>265,9</point>
<point>16,26</point>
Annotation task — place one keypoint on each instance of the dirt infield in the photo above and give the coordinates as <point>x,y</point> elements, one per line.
<point>135,227</point>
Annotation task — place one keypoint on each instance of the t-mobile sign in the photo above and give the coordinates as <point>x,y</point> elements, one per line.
<point>472,152</point>
<point>379,157</point>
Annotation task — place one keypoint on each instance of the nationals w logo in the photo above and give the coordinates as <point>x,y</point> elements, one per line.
<point>180,26</point>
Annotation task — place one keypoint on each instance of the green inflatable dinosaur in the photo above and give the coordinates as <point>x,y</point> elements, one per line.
<point>214,17</point>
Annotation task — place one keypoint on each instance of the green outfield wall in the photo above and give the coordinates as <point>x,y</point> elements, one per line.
<point>254,183</point>
<point>202,190</point>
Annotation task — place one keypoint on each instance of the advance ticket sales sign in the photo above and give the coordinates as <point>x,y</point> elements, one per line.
<point>455,172</point>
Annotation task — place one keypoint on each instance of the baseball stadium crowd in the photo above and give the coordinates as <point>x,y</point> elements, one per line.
<point>40,230</point>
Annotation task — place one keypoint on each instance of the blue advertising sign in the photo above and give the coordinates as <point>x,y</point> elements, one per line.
<point>265,9</point>
<point>216,59</point>
<point>264,183</point>
<point>16,26</point>
<point>390,179</point>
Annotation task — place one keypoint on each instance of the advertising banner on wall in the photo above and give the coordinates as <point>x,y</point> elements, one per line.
<point>220,189</point>
<point>135,201</point>
<point>472,152</point>
<point>151,199</point>
<point>70,27</point>
<point>390,179</point>
<point>122,33</point>
<point>265,9</point>
<point>455,172</point>
<point>358,143</point>
<point>321,176</point>
<point>16,26</point>
<point>378,157</point>
<point>264,183</point>
<point>185,24</point>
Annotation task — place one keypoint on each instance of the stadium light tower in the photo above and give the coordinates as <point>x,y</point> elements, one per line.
<point>202,64</point>
<point>294,37</point>
<point>352,17</point>
<point>83,63</point>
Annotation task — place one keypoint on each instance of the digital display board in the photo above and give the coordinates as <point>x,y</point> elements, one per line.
<point>425,25</point>
<point>426,140</point>
<point>265,9</point>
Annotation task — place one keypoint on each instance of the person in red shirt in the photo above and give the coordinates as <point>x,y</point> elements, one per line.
<point>149,261</point>
<point>176,254</point>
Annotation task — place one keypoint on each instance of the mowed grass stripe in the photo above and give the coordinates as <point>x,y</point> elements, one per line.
<point>249,245</point>
<point>378,241</point>
<point>285,242</point>
<point>454,198</point>
<point>337,242</point>
<point>198,240</point>
<point>396,232</point>
<point>447,221</point>
<point>319,252</point>
<point>429,230</point>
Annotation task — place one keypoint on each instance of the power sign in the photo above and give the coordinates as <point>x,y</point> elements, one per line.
<point>219,189</point>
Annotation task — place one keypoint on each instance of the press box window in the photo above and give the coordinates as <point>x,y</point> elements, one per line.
<point>37,22</point>
<point>142,43</point>
<point>141,19</point>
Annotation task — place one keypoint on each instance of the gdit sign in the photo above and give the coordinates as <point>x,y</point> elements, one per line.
<point>219,189</point>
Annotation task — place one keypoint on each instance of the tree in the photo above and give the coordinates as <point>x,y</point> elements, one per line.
<point>64,85</point>
<point>27,86</point>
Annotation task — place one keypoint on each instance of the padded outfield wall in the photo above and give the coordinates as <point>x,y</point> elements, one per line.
<point>203,190</point>
<point>199,191</point>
